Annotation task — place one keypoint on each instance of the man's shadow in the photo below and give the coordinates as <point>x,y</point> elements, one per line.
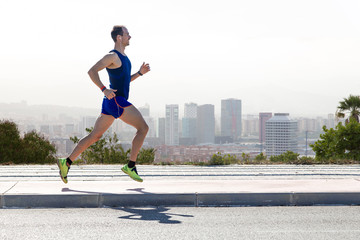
<point>152,214</point>
<point>144,214</point>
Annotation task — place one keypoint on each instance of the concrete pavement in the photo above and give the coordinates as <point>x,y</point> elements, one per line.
<point>251,185</point>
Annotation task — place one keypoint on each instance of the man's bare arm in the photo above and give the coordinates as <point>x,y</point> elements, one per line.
<point>106,61</point>
<point>143,69</point>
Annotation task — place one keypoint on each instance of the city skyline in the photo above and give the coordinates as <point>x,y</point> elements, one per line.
<point>154,112</point>
<point>198,126</point>
<point>299,57</point>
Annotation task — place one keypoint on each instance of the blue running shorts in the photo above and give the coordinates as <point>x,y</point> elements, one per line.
<point>115,106</point>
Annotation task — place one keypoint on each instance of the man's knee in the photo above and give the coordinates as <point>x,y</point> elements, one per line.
<point>144,128</point>
<point>95,136</point>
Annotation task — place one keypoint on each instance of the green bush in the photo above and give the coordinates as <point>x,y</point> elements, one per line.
<point>32,148</point>
<point>146,156</point>
<point>10,142</point>
<point>217,159</point>
<point>245,158</point>
<point>288,157</point>
<point>108,151</point>
<point>341,143</point>
<point>36,149</point>
<point>230,159</point>
<point>261,157</point>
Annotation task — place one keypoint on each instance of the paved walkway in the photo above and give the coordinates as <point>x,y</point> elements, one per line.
<point>237,185</point>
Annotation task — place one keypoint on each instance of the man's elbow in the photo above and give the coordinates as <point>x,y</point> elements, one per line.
<point>91,72</point>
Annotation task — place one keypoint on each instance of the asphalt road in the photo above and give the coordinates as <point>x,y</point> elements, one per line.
<point>331,222</point>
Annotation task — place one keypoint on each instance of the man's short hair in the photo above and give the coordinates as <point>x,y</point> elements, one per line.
<point>117,30</point>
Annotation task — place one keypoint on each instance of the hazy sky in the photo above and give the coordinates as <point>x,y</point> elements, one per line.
<point>296,56</point>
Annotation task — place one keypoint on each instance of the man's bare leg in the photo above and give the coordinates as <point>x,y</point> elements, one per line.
<point>101,125</point>
<point>133,117</point>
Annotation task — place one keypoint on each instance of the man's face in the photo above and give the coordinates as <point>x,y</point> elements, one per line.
<point>125,37</point>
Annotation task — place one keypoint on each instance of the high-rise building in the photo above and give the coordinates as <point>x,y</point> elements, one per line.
<point>250,125</point>
<point>280,134</point>
<point>172,125</point>
<point>161,128</point>
<point>231,118</point>
<point>190,110</point>
<point>205,124</point>
<point>189,127</point>
<point>189,132</point>
<point>263,117</point>
<point>189,124</point>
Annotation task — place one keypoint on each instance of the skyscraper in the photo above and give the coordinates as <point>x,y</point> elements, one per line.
<point>189,122</point>
<point>189,127</point>
<point>280,134</point>
<point>190,110</point>
<point>231,118</point>
<point>263,117</point>
<point>172,125</point>
<point>161,128</point>
<point>205,124</point>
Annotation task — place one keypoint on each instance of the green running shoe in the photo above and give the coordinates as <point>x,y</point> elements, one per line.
<point>131,172</point>
<point>64,169</point>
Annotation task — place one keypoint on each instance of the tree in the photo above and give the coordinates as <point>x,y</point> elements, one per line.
<point>36,149</point>
<point>10,142</point>
<point>343,142</point>
<point>325,148</point>
<point>350,106</point>
<point>32,148</point>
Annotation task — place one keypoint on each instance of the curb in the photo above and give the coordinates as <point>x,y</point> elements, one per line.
<point>189,200</point>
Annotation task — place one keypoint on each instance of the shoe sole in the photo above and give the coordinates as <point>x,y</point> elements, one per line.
<point>132,177</point>
<point>57,162</point>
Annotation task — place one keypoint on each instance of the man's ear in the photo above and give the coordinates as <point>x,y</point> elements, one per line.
<point>118,38</point>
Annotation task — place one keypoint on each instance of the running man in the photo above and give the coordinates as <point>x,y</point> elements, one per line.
<point>115,104</point>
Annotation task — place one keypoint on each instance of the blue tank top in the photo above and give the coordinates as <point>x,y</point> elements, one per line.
<point>120,77</point>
